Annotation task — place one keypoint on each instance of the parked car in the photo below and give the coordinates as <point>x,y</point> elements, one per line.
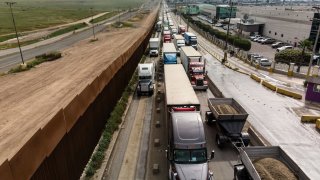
<point>278,44</point>
<point>284,48</point>
<point>218,25</point>
<point>254,57</point>
<point>254,37</point>
<point>257,39</point>
<point>265,62</point>
<point>316,60</point>
<point>262,39</point>
<point>268,41</point>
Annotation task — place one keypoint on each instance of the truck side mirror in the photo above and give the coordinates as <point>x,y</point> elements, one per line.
<point>212,154</point>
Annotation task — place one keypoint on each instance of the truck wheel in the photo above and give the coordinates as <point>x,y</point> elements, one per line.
<point>245,138</point>
<point>218,141</point>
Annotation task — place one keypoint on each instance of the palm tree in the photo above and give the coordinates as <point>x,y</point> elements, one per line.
<point>303,44</point>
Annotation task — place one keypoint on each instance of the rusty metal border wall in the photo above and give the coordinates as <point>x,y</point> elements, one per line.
<point>62,148</point>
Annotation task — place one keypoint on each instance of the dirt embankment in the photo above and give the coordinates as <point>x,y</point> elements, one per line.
<point>29,100</point>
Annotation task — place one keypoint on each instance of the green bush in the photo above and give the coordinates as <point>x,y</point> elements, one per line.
<point>38,60</point>
<point>235,40</point>
<point>292,56</point>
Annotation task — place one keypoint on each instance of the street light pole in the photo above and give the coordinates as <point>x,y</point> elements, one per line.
<point>15,28</point>
<point>224,60</point>
<point>94,35</point>
<point>314,45</point>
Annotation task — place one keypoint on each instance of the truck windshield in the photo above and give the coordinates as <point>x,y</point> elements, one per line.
<point>189,156</point>
<point>144,78</point>
<point>193,41</point>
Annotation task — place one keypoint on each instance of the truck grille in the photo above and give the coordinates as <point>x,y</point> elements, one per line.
<point>199,82</point>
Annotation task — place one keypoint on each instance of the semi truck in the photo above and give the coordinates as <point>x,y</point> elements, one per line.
<point>230,118</point>
<point>169,53</point>
<point>178,41</point>
<point>159,26</point>
<point>154,44</point>
<point>166,36</point>
<point>191,40</point>
<point>146,76</point>
<point>181,29</point>
<point>194,67</point>
<point>187,148</point>
<point>246,169</point>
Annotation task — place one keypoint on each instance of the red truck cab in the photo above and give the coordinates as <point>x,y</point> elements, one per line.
<point>197,75</point>
<point>166,37</point>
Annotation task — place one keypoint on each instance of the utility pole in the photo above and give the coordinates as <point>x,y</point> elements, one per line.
<point>15,28</point>
<point>119,15</point>
<point>224,60</point>
<point>94,35</point>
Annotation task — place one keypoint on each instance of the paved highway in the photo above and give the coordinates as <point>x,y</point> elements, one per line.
<point>9,61</point>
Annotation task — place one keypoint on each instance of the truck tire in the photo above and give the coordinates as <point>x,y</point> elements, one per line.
<point>245,138</point>
<point>218,141</point>
<point>209,117</point>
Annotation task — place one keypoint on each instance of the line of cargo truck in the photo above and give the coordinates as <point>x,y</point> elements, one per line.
<point>187,147</point>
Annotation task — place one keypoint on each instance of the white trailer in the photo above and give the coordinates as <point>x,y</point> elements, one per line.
<point>154,44</point>
<point>179,42</point>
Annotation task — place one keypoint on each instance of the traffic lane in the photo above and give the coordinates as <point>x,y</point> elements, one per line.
<point>224,159</point>
<point>273,115</point>
<point>10,61</point>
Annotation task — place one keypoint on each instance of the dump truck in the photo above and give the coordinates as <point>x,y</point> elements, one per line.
<point>187,148</point>
<point>230,118</point>
<point>194,67</point>
<point>154,44</point>
<point>146,79</point>
<point>191,40</point>
<point>169,53</point>
<point>250,155</point>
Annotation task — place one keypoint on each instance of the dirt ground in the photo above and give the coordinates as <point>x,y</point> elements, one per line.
<point>28,100</point>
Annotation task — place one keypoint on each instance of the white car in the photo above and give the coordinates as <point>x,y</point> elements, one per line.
<point>284,48</point>
<point>265,62</point>
<point>258,39</point>
<point>254,37</point>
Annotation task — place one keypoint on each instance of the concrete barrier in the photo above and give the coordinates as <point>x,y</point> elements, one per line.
<point>256,78</point>
<point>269,85</point>
<point>310,118</point>
<point>318,124</point>
<point>289,93</point>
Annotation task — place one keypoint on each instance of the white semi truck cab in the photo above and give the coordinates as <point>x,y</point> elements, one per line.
<point>154,45</point>
<point>146,79</point>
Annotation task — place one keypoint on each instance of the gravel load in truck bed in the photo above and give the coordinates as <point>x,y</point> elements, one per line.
<point>273,169</point>
<point>225,109</point>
